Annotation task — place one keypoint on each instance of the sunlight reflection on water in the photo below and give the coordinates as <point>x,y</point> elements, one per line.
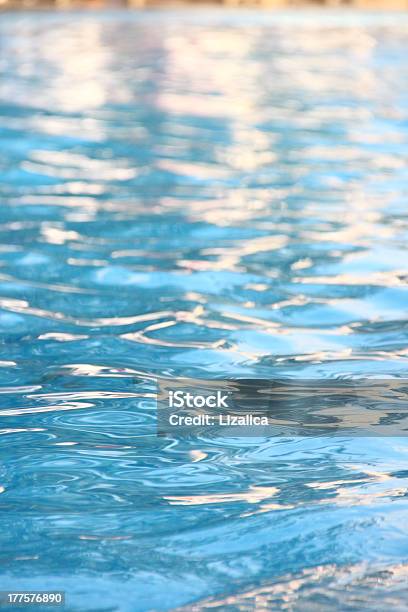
<point>198,194</point>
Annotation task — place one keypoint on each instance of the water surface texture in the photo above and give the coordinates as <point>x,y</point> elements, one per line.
<point>203,194</point>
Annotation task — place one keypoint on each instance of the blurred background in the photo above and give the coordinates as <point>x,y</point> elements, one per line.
<point>363,4</point>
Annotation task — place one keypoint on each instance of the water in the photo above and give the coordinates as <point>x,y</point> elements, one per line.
<point>205,194</point>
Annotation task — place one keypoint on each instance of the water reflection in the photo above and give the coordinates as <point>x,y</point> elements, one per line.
<point>198,195</point>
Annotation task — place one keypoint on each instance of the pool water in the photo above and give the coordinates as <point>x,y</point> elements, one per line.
<point>207,194</point>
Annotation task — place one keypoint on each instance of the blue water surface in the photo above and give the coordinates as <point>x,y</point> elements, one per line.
<point>207,194</point>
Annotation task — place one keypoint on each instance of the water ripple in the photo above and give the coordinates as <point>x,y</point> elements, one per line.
<point>199,194</point>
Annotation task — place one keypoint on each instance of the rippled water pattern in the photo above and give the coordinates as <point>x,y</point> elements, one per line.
<point>210,194</point>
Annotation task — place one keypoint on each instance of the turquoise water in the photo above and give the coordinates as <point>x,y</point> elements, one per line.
<point>204,194</point>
